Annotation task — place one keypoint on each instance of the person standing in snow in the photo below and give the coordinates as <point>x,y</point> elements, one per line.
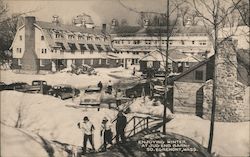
<point>110,87</point>
<point>87,128</point>
<point>121,122</point>
<point>133,71</point>
<point>100,85</point>
<point>118,97</point>
<point>106,132</point>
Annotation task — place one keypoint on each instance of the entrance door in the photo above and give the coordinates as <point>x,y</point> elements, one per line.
<point>199,102</point>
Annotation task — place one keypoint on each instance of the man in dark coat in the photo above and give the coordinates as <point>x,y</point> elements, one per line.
<point>121,123</point>
<point>100,85</point>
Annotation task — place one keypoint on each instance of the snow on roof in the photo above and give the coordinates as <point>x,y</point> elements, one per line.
<point>174,55</point>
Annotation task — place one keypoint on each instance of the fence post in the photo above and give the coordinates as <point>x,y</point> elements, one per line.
<point>147,122</point>
<point>134,125</point>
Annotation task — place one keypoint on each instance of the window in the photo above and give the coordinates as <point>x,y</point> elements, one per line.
<point>42,37</point>
<point>42,63</point>
<point>72,47</point>
<point>100,61</point>
<point>19,50</point>
<point>21,37</point>
<point>82,48</point>
<point>99,47</point>
<point>136,41</point>
<point>193,42</point>
<point>128,42</point>
<point>71,36</point>
<point>19,62</point>
<point>182,42</point>
<point>186,64</point>
<point>108,48</point>
<point>91,48</point>
<point>58,35</point>
<point>61,46</point>
<point>198,75</point>
<point>43,50</point>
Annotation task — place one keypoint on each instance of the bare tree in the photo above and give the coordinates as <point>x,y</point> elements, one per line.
<point>169,25</point>
<point>215,13</point>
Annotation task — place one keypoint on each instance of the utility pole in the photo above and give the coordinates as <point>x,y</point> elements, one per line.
<point>166,74</point>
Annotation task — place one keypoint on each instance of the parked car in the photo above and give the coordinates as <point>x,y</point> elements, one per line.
<point>2,86</point>
<point>137,90</point>
<point>93,89</point>
<point>90,98</point>
<point>18,86</point>
<point>83,69</point>
<point>63,91</point>
<point>40,86</point>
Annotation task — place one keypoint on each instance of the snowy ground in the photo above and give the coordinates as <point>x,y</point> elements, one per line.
<point>78,81</point>
<point>230,139</point>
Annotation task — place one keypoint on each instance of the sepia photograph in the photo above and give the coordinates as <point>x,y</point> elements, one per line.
<point>125,78</point>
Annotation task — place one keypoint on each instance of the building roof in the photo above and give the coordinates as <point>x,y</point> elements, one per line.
<point>242,70</point>
<point>174,55</point>
<point>66,44</point>
<point>70,28</point>
<point>156,30</point>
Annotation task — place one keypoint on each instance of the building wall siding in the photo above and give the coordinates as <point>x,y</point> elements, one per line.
<point>185,97</point>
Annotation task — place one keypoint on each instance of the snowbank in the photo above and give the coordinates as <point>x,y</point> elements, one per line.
<point>17,142</point>
<point>148,106</point>
<point>230,139</point>
<point>78,81</point>
<point>14,143</point>
<point>49,116</point>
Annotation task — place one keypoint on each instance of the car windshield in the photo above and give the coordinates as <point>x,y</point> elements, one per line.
<point>36,83</point>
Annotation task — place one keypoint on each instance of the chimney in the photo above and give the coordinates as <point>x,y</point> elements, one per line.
<point>104,28</point>
<point>30,60</point>
<point>146,23</point>
<point>114,23</point>
<point>55,19</point>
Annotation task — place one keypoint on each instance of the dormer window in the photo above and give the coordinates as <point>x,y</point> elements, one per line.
<point>80,37</point>
<point>97,38</point>
<point>71,36</point>
<point>42,37</point>
<point>58,35</point>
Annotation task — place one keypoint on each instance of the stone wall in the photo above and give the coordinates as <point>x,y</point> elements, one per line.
<point>232,107</point>
<point>231,103</point>
<point>185,97</point>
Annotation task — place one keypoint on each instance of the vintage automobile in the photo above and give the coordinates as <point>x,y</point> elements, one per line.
<point>2,86</point>
<point>143,87</point>
<point>92,98</point>
<point>92,89</point>
<point>63,91</point>
<point>18,86</point>
<point>39,86</point>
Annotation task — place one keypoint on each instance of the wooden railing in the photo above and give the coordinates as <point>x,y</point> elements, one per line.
<point>139,124</point>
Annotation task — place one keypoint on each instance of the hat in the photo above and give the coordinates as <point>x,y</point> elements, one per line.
<point>85,118</point>
<point>105,119</point>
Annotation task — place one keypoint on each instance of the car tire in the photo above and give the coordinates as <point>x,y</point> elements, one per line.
<point>59,97</point>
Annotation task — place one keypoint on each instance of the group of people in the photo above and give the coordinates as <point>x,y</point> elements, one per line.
<point>109,86</point>
<point>106,131</point>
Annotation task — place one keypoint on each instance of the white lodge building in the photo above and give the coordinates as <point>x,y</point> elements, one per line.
<point>50,45</point>
<point>133,42</point>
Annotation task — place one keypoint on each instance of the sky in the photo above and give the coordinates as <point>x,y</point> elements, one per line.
<point>101,11</point>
